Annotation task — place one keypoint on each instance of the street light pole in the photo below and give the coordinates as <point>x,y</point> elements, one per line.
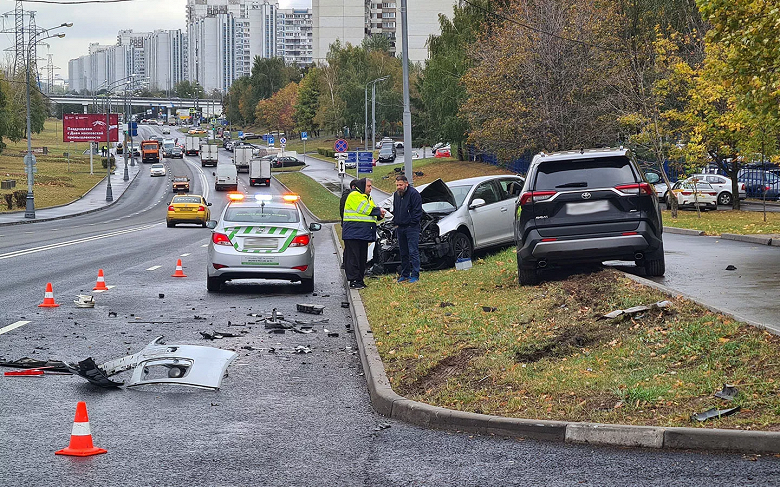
<point>373,110</point>
<point>29,158</point>
<point>126,176</point>
<point>109,191</point>
<point>407,118</point>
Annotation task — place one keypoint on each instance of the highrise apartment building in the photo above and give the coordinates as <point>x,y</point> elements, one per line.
<point>350,21</point>
<point>164,59</point>
<point>294,35</point>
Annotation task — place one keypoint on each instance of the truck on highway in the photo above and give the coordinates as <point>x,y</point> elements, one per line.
<point>208,155</point>
<point>260,172</point>
<point>150,151</point>
<point>226,178</point>
<point>191,145</point>
<point>241,157</point>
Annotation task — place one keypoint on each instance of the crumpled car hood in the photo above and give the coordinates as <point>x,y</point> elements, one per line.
<point>436,192</point>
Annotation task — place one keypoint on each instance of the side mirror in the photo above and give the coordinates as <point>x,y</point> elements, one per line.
<point>315,227</point>
<point>476,203</point>
<point>208,204</point>
<point>212,224</point>
<point>652,178</point>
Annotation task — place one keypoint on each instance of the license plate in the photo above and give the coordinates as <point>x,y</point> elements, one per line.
<point>586,207</point>
<point>260,243</point>
<point>260,261</point>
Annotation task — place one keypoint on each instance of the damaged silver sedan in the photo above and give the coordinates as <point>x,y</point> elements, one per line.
<point>459,217</point>
<point>158,363</point>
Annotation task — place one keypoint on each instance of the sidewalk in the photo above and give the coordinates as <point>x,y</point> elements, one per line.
<point>94,200</point>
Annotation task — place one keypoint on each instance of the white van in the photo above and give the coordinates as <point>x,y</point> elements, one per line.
<point>226,178</point>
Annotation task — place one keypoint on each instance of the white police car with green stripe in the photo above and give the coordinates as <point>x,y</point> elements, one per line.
<point>261,237</point>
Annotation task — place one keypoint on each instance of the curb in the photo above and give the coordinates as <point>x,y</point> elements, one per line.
<point>755,239</point>
<point>85,212</point>
<point>387,403</point>
<point>683,231</point>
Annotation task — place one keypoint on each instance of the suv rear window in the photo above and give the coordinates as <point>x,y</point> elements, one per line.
<point>602,172</point>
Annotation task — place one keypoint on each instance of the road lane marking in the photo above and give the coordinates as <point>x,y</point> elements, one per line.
<point>205,245</point>
<point>154,268</point>
<point>13,326</point>
<point>34,250</point>
<point>184,255</point>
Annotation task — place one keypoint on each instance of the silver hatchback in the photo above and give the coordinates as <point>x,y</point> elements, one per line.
<point>261,237</point>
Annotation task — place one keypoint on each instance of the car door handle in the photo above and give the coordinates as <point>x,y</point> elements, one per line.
<point>503,210</point>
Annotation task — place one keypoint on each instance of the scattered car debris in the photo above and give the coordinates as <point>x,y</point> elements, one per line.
<point>419,173</point>
<point>31,363</point>
<point>382,426</point>
<point>217,335</point>
<point>112,314</point>
<point>489,309</point>
<point>26,372</point>
<point>278,331</point>
<point>728,393</point>
<point>250,347</point>
<point>202,318</point>
<point>323,321</point>
<point>636,309</point>
<point>84,301</point>
<point>345,304</point>
<point>333,334</point>
<point>158,363</point>
<point>714,413</point>
<point>161,295</point>
<point>272,350</point>
<point>730,268</point>
<point>314,309</point>
<point>445,304</point>
<point>301,349</point>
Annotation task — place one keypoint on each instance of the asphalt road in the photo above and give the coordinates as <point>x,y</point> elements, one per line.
<point>280,418</point>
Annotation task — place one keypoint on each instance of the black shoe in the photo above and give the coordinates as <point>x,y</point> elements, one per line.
<point>356,285</point>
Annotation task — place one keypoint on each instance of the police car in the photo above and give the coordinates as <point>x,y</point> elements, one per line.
<point>261,237</point>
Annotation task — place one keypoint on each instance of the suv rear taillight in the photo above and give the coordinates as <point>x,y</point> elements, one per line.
<point>536,196</point>
<point>637,188</point>
<point>220,239</point>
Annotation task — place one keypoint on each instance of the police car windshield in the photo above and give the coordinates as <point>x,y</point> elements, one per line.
<point>261,215</point>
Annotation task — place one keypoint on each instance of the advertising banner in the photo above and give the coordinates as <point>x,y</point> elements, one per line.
<point>89,127</point>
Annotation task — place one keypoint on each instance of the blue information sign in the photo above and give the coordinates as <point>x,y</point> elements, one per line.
<point>270,140</point>
<point>365,161</point>
<point>134,129</point>
<point>304,136</point>
<point>352,157</point>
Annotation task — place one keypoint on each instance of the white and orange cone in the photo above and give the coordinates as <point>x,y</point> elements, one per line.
<point>101,282</point>
<point>81,436</point>
<point>48,298</point>
<point>179,272</point>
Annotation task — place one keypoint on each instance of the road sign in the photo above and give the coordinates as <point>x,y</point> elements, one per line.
<point>352,157</point>
<point>365,160</point>
<point>192,110</point>
<point>270,140</point>
<point>341,155</point>
<point>304,136</point>
<point>341,145</point>
<point>134,129</point>
<point>342,166</point>
<point>283,140</point>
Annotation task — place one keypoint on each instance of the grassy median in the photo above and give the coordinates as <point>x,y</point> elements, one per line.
<point>475,341</point>
<point>725,221</point>
<point>321,202</point>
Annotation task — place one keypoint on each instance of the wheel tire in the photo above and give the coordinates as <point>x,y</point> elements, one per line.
<point>170,224</point>
<point>724,198</point>
<point>213,284</point>
<point>526,276</point>
<point>461,246</point>
<point>307,285</point>
<point>203,224</point>
<point>655,267</point>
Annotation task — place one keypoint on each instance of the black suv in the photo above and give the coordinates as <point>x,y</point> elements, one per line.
<point>587,206</point>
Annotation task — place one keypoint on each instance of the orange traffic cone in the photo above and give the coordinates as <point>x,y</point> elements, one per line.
<point>101,282</point>
<point>179,272</point>
<point>48,298</point>
<point>81,437</point>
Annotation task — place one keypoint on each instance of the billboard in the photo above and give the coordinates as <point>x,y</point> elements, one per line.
<point>89,127</point>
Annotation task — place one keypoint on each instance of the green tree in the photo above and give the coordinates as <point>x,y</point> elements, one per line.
<point>308,100</point>
<point>231,102</point>
<point>187,89</point>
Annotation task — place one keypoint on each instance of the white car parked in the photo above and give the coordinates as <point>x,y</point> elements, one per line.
<point>692,193</point>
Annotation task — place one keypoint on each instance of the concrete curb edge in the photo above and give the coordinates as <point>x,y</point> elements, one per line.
<point>387,403</point>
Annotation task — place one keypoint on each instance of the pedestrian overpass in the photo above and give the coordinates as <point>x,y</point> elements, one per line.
<point>208,108</point>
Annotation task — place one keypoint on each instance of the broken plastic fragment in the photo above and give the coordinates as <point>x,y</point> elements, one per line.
<point>314,309</point>
<point>714,413</point>
<point>302,349</point>
<point>635,310</point>
<point>84,301</point>
<point>728,393</point>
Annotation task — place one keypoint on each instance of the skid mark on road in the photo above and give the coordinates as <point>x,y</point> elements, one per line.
<point>13,326</point>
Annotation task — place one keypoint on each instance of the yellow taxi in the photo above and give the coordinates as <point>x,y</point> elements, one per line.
<point>189,208</point>
<point>196,131</point>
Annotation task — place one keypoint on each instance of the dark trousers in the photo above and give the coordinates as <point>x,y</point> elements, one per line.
<point>409,247</point>
<point>355,257</point>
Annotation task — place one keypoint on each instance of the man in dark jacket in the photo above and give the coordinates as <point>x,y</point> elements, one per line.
<point>407,213</point>
<point>358,229</point>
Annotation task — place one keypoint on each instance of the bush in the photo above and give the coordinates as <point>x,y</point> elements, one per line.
<point>9,200</point>
<point>326,152</point>
<point>105,162</point>
<point>20,198</point>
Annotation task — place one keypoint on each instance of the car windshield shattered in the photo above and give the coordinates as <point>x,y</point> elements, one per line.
<point>261,215</point>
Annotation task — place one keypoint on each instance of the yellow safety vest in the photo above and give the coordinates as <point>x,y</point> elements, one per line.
<point>358,208</point>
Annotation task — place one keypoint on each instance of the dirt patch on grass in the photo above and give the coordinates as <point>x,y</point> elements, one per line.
<point>566,343</point>
<point>451,366</point>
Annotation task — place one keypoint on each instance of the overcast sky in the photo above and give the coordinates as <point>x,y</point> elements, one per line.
<point>99,23</point>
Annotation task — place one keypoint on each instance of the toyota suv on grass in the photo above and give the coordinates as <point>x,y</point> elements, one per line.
<point>585,207</point>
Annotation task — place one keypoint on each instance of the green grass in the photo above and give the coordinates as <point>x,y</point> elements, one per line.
<point>728,221</point>
<point>57,182</point>
<point>321,202</point>
<point>544,353</point>
<point>448,169</point>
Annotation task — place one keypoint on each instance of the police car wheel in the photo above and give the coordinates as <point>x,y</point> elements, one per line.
<point>213,284</point>
<point>307,285</point>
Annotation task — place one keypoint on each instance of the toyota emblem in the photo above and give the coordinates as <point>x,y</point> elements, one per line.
<point>586,196</point>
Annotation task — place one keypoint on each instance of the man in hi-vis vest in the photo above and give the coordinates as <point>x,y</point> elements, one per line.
<point>359,228</point>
